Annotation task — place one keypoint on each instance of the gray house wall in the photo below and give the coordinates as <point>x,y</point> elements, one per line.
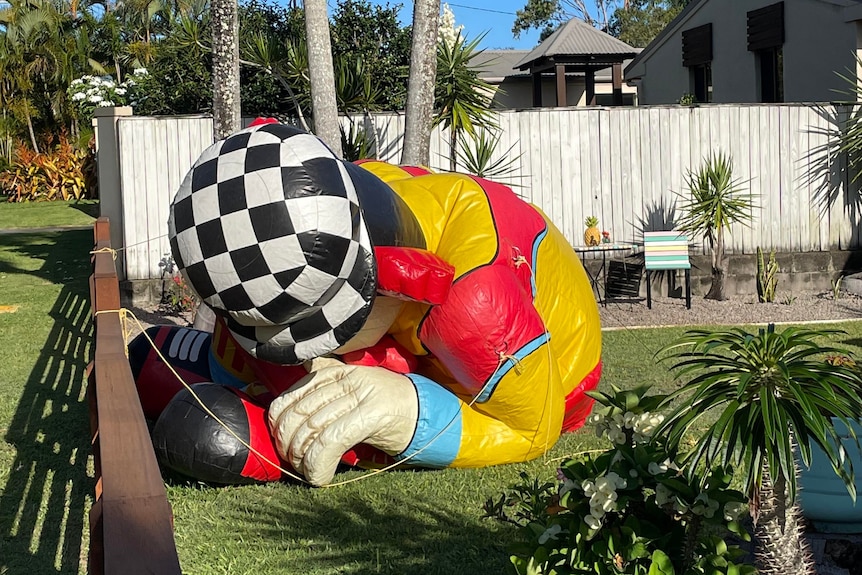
<point>818,43</point>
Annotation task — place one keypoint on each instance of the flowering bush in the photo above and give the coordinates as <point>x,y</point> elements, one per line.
<point>631,509</point>
<point>177,296</point>
<point>90,92</point>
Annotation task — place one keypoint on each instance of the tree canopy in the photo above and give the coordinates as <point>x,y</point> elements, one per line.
<point>635,22</point>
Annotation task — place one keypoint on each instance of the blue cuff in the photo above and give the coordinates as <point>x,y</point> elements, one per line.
<point>438,432</point>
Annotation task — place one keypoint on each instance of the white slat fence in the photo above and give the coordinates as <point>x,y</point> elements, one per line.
<point>623,165</point>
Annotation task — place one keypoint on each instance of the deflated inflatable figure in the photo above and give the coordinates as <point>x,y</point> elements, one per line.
<point>365,314</point>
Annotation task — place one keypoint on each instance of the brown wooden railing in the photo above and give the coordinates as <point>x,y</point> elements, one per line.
<point>131,525</point>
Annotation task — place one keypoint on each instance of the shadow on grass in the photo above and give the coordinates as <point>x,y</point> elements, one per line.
<point>89,207</point>
<point>48,490</point>
<point>379,533</point>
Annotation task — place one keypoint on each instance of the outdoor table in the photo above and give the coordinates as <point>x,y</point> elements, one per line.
<point>601,272</point>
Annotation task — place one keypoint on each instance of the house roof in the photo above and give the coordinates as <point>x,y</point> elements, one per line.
<point>576,39</point>
<point>683,17</point>
<point>495,66</point>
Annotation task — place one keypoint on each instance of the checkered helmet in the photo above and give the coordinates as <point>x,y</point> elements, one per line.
<point>266,227</point>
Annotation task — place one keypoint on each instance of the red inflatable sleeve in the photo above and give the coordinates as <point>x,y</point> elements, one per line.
<point>413,274</point>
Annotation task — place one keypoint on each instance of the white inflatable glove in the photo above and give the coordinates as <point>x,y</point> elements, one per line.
<point>338,406</point>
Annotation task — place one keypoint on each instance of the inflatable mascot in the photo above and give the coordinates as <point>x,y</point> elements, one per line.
<point>366,314</point>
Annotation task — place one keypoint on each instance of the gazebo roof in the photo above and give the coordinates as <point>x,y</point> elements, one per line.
<point>577,43</point>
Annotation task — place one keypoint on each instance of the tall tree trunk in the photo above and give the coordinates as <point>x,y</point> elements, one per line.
<point>781,545</point>
<point>719,269</point>
<point>226,98</point>
<point>420,86</point>
<point>322,75</point>
<point>32,133</point>
<point>453,145</point>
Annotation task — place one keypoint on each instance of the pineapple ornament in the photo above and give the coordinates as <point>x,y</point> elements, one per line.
<point>592,235</point>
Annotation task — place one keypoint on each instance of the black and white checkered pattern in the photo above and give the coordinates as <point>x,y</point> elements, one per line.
<point>266,227</point>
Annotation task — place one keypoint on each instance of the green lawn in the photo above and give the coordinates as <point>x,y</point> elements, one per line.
<point>47,214</point>
<point>397,522</point>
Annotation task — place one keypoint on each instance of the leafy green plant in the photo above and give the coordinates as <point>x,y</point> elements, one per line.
<point>356,144</point>
<point>462,99</point>
<point>789,299</point>
<point>836,287</point>
<point>773,397</point>
<point>767,271</point>
<point>687,99</point>
<point>630,509</point>
<point>476,152</point>
<point>61,172</point>
<point>716,201</point>
<point>177,296</point>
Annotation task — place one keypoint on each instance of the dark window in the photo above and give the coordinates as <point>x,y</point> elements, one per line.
<point>771,68</point>
<point>697,57</point>
<point>765,39</point>
<point>701,82</point>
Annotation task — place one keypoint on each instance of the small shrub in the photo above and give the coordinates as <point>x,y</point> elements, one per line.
<point>767,280</point>
<point>836,287</point>
<point>633,508</point>
<point>61,172</point>
<point>177,296</point>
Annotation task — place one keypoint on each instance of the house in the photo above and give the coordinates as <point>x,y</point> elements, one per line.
<point>577,65</point>
<point>739,51</point>
<point>513,88</point>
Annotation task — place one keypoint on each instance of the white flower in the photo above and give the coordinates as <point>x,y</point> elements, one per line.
<point>77,82</point>
<point>78,96</point>
<point>663,495</point>
<point>567,486</point>
<point>656,468</point>
<point>733,509</point>
<point>618,481</point>
<point>140,72</point>
<point>447,32</point>
<point>550,533</point>
<point>589,487</point>
<point>120,91</point>
<point>593,522</point>
<point>705,506</point>
<point>617,435</point>
<point>95,98</point>
<point>105,103</point>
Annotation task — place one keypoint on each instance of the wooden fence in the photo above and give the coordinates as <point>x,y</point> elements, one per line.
<point>131,525</point>
<point>624,165</point>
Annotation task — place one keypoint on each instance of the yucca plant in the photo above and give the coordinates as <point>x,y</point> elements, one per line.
<point>476,153</point>
<point>774,396</point>
<point>717,201</point>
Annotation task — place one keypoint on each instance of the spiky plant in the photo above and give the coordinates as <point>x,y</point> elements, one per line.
<point>592,235</point>
<point>768,390</point>
<point>716,201</point>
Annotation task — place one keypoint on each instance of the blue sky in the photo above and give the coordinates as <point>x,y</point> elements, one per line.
<point>492,16</point>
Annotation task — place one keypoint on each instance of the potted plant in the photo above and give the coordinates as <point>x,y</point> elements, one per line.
<point>824,498</point>
<point>774,399</point>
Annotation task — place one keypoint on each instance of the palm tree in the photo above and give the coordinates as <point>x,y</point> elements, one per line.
<point>462,99</point>
<point>716,202</point>
<point>225,50</point>
<point>420,84</point>
<point>322,75</point>
<point>772,395</point>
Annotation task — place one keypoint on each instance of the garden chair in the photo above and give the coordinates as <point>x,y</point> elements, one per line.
<point>667,250</point>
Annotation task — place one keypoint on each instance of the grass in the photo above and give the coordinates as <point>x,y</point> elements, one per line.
<point>423,522</point>
<point>45,333</point>
<point>47,214</point>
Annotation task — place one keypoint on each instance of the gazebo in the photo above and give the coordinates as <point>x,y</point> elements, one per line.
<point>577,47</point>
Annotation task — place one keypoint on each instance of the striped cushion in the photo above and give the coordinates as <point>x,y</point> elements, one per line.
<point>666,251</point>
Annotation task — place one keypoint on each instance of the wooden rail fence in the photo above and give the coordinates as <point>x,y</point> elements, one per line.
<point>131,525</point>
